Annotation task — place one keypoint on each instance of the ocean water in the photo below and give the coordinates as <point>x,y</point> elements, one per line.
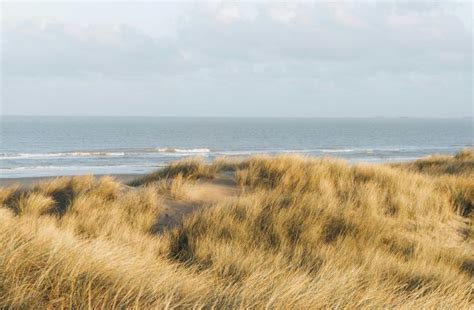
<point>50,146</point>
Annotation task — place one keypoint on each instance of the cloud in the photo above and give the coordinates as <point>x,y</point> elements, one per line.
<point>304,54</point>
<point>411,38</point>
<point>52,48</point>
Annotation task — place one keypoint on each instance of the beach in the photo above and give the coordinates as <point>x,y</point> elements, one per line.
<point>236,155</point>
<point>31,181</point>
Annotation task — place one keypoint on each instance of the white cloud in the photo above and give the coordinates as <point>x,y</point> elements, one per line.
<point>284,12</point>
<point>216,34</point>
<point>321,48</point>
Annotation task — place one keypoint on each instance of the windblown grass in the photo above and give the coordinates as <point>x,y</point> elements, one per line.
<point>304,233</point>
<point>192,168</point>
<point>461,164</point>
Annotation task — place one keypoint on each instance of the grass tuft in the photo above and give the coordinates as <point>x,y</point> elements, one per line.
<point>301,233</point>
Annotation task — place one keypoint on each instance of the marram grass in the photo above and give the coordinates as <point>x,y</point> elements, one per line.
<point>302,233</point>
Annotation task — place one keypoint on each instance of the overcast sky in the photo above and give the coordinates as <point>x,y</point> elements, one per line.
<point>238,58</point>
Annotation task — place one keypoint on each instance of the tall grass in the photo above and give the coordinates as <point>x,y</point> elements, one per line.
<point>303,233</point>
<point>191,168</point>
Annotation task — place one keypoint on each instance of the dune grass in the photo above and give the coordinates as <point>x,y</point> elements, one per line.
<point>461,164</point>
<point>192,168</point>
<point>303,233</point>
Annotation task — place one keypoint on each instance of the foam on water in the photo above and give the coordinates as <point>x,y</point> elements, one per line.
<point>177,150</point>
<point>38,146</point>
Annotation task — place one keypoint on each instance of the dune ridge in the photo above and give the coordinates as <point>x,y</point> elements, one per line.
<point>259,232</point>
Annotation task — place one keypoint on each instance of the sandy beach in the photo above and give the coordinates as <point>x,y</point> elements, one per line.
<point>28,182</point>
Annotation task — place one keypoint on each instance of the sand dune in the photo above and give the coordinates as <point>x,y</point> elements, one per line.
<point>261,232</point>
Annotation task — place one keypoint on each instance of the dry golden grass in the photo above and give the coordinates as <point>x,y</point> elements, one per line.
<point>301,233</point>
<point>462,164</point>
<point>192,168</point>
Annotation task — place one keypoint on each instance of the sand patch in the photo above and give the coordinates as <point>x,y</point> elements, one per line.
<point>199,195</point>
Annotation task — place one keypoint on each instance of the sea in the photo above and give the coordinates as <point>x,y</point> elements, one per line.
<point>55,146</point>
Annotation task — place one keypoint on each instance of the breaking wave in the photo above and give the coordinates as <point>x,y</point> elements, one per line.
<point>176,150</point>
<point>59,154</point>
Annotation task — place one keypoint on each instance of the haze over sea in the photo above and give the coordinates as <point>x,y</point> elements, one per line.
<point>51,146</point>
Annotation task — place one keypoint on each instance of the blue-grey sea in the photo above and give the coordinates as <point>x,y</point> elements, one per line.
<point>50,146</point>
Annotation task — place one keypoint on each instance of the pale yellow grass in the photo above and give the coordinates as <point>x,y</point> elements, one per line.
<point>261,232</point>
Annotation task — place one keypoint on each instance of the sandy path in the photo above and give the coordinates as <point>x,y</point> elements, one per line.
<point>200,195</point>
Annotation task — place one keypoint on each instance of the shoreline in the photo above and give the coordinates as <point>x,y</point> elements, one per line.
<point>129,176</point>
<point>30,181</point>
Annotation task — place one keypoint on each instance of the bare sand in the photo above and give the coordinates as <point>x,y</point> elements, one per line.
<point>198,195</point>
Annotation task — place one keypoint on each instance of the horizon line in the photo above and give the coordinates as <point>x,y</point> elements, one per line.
<point>255,117</point>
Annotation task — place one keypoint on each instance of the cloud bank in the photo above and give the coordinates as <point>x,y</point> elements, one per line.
<point>254,59</point>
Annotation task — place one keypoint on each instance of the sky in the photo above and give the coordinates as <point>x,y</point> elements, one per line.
<point>237,58</point>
